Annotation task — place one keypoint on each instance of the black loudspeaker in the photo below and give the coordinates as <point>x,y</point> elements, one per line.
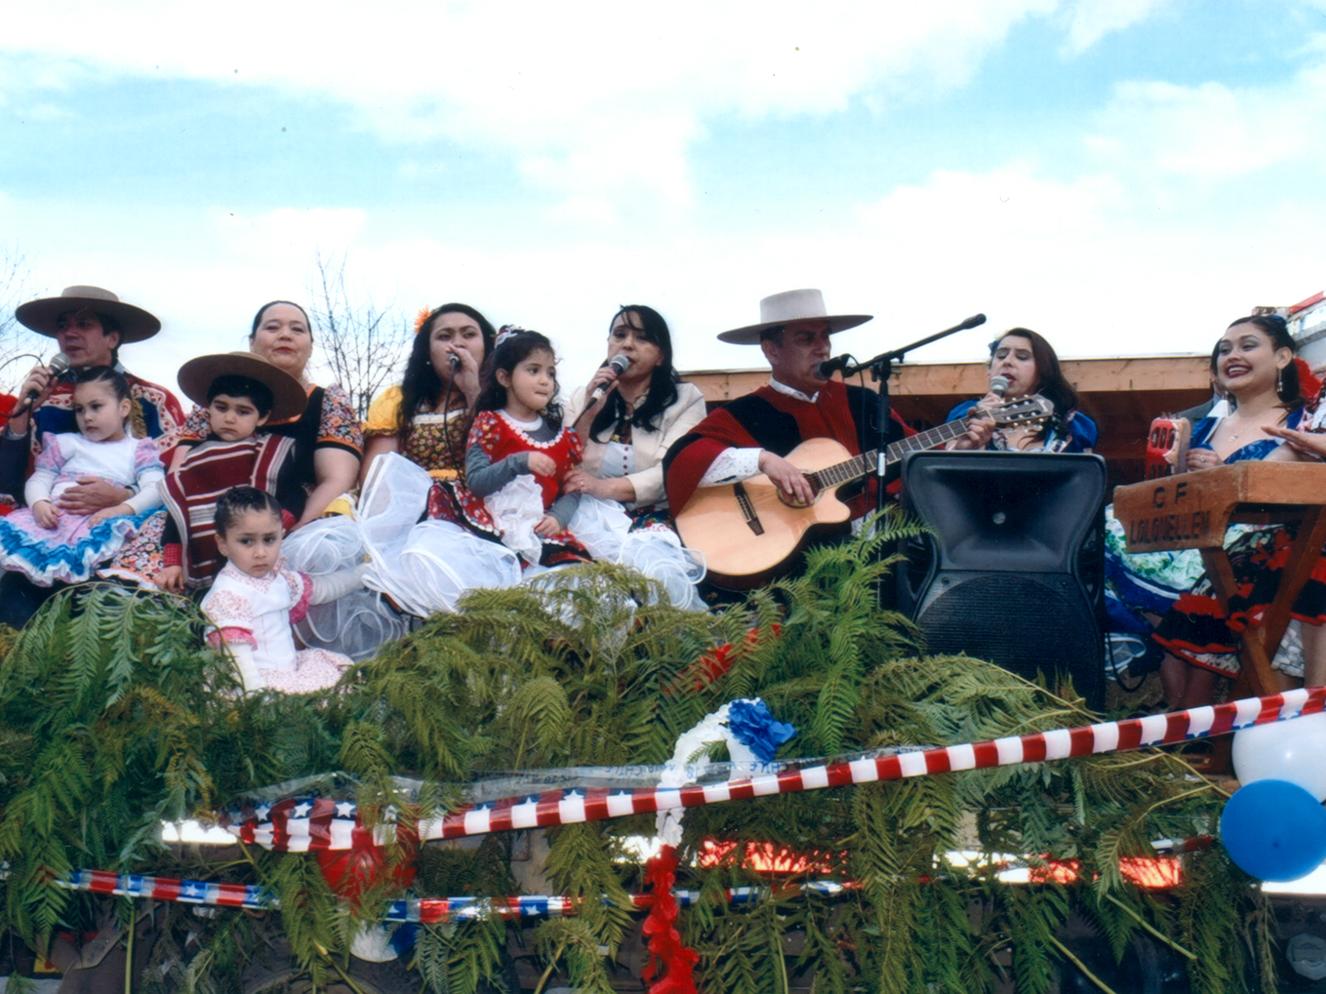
<point>1014,572</point>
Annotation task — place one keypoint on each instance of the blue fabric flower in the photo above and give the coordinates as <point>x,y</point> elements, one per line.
<point>757,729</point>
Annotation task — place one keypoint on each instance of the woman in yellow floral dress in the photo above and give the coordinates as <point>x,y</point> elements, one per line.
<point>425,417</point>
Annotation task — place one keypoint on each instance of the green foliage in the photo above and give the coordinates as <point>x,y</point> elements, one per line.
<point>113,716</point>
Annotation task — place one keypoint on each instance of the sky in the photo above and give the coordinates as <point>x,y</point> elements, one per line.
<point>1124,176</point>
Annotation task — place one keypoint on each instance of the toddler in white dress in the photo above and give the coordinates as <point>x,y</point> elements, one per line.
<point>256,598</point>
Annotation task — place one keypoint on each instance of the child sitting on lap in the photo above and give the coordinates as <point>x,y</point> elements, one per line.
<point>48,545</point>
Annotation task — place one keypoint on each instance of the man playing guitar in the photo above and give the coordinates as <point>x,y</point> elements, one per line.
<point>754,433</point>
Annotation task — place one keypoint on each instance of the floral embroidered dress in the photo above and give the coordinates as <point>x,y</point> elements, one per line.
<point>436,443</point>
<point>1196,628</point>
<point>436,440</point>
<point>70,551</point>
<point>253,615</point>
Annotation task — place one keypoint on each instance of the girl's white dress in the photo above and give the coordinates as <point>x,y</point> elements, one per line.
<point>69,552</point>
<point>253,615</point>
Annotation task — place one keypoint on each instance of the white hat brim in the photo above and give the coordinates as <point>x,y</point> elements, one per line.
<point>750,335</point>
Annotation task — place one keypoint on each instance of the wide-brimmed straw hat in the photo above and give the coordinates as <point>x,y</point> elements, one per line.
<point>788,308</point>
<point>42,316</point>
<point>197,375</point>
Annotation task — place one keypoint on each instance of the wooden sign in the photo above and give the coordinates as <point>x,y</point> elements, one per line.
<point>1192,510</point>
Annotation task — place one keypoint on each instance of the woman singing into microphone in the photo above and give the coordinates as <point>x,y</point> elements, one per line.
<point>628,415</point>
<point>1023,363</point>
<point>629,418</point>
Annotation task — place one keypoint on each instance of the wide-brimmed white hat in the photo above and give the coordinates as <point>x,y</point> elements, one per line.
<point>43,315</point>
<point>788,308</point>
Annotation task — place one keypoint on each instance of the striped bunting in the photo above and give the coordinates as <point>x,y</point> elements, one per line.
<point>312,823</point>
<point>425,911</point>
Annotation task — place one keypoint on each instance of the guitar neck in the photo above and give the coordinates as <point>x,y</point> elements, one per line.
<point>858,466</point>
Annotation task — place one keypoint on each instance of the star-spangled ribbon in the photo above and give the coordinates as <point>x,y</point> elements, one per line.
<point>425,911</point>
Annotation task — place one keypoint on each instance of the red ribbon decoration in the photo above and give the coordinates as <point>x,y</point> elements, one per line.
<point>671,965</point>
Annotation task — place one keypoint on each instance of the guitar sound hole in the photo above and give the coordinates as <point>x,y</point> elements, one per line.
<point>793,502</point>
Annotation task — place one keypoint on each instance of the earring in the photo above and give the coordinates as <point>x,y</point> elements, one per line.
<point>1280,381</point>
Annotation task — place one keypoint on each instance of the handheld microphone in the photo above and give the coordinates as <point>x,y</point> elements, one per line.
<point>619,364</point>
<point>57,366</point>
<point>999,385</point>
<point>454,360</point>
<point>835,365</point>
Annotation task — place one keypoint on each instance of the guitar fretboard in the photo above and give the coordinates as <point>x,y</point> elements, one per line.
<point>858,466</point>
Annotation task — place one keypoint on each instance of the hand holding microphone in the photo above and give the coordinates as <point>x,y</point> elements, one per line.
<point>38,383</point>
<point>617,365</point>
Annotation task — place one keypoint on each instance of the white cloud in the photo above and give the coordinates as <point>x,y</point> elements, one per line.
<point>1214,131</point>
<point>1082,261</point>
<point>270,238</point>
<point>1091,20</point>
<point>1078,259</point>
<point>596,96</point>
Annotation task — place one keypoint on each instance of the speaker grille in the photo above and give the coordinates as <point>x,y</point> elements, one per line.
<point>1024,622</point>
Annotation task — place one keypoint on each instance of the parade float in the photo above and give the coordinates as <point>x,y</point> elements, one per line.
<point>571,785</point>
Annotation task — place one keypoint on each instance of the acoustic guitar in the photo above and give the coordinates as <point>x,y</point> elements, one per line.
<point>749,532</point>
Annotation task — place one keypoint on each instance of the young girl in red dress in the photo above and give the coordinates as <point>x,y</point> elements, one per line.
<point>519,452</point>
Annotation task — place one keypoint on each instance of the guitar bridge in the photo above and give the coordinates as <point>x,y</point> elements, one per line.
<point>748,510</point>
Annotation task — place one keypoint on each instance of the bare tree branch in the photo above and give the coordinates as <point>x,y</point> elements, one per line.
<point>15,340</point>
<point>364,346</point>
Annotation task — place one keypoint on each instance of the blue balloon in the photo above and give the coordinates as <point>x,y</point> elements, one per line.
<point>1274,830</point>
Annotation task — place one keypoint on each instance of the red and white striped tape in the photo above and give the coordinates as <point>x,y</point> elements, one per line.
<point>568,807</point>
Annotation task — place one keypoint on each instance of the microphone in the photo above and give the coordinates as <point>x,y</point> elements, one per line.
<point>999,385</point>
<point>619,364</point>
<point>835,365</point>
<point>454,360</point>
<point>972,322</point>
<point>57,366</point>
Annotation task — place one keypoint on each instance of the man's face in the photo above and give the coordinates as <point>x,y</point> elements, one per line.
<point>83,339</point>
<point>796,359</point>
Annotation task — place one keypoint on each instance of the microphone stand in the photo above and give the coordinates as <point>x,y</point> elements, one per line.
<point>881,369</point>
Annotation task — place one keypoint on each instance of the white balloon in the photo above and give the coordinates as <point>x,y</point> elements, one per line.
<point>1293,750</point>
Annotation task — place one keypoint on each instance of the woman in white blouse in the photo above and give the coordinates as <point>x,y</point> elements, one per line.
<point>639,413</point>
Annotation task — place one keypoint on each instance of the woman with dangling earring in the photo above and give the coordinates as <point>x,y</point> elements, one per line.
<point>1258,372</point>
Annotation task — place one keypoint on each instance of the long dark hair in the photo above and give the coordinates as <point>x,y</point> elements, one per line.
<point>421,384</point>
<point>1288,387</point>
<point>514,346</point>
<point>663,379</point>
<point>1052,386</point>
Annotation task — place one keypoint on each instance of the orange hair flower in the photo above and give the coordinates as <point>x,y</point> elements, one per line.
<point>421,319</point>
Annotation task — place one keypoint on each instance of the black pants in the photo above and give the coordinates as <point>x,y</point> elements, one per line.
<point>20,599</point>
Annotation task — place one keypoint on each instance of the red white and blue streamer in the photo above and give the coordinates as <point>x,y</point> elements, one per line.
<point>425,911</point>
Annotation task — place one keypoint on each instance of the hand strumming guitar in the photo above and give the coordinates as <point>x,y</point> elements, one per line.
<point>980,424</point>
<point>786,477</point>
